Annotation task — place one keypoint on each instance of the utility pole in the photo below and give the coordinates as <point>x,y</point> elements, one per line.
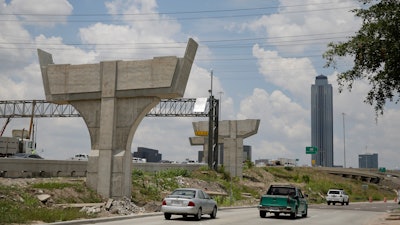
<point>344,143</point>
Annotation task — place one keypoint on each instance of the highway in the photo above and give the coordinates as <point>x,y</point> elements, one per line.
<point>355,214</point>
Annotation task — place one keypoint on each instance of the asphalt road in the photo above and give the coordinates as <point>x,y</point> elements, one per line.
<point>355,214</point>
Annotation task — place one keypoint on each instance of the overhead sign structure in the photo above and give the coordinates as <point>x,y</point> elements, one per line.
<point>311,150</point>
<point>200,105</point>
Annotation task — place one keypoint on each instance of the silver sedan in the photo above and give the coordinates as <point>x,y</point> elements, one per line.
<point>189,201</point>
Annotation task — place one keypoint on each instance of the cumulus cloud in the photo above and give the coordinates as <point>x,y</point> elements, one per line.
<point>34,12</point>
<point>299,19</point>
<point>291,74</point>
<point>284,126</point>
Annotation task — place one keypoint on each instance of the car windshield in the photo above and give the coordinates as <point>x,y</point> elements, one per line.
<point>334,192</point>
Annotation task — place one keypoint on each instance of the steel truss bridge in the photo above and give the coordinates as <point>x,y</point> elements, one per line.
<point>182,107</point>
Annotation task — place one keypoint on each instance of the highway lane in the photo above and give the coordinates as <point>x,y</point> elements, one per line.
<point>250,216</point>
<point>378,206</point>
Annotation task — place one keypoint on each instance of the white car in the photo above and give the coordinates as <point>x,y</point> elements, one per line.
<point>189,201</point>
<point>337,196</point>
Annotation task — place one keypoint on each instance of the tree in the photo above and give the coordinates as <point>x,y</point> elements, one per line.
<point>375,49</point>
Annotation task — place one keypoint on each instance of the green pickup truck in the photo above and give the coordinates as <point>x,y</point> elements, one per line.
<point>283,199</point>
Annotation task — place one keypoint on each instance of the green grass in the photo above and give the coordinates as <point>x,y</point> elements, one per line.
<point>20,205</point>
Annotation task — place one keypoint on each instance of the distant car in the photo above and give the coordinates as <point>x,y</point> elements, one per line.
<point>189,201</point>
<point>80,157</point>
<point>26,156</point>
<point>337,196</point>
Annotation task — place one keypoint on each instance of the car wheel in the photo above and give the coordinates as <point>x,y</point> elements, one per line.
<point>263,214</point>
<point>276,214</point>
<point>198,215</point>
<point>305,213</point>
<point>329,203</point>
<point>343,202</point>
<point>293,215</point>
<point>167,216</point>
<point>333,203</point>
<point>214,213</point>
<point>347,203</point>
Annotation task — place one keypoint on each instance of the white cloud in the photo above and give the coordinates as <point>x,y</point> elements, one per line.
<point>41,12</point>
<point>291,74</point>
<point>284,126</point>
<point>284,61</point>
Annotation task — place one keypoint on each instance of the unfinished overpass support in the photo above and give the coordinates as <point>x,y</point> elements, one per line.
<point>231,134</point>
<point>113,97</point>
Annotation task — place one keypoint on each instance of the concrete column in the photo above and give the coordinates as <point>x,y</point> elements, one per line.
<point>113,97</point>
<point>231,134</point>
<point>201,141</point>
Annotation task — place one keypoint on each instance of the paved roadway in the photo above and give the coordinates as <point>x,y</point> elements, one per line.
<point>354,214</point>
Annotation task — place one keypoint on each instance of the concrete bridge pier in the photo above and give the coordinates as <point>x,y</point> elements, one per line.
<point>200,141</point>
<point>231,135</point>
<point>113,97</point>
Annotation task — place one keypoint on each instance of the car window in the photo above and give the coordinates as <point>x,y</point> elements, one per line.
<point>206,195</point>
<point>189,193</point>
<point>300,194</point>
<point>334,192</point>
<point>281,191</point>
<point>201,195</point>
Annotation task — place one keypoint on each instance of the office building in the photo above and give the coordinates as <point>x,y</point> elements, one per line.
<point>322,122</point>
<point>368,161</point>
<point>151,155</point>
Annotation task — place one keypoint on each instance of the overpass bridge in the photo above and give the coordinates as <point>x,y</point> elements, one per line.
<point>358,174</point>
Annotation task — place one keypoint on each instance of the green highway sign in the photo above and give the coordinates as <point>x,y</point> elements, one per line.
<point>311,150</point>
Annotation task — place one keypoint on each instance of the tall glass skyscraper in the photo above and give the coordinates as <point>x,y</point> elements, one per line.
<point>322,122</point>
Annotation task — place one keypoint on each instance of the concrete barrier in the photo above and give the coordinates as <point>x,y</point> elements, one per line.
<point>27,168</point>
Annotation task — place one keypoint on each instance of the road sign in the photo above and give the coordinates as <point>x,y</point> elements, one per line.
<point>311,150</point>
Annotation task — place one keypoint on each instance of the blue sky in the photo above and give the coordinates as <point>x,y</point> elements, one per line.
<point>264,55</point>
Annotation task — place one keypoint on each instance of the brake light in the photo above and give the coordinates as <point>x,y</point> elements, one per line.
<point>164,202</point>
<point>191,204</point>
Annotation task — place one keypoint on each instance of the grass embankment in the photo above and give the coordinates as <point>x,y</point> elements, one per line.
<point>153,187</point>
<point>20,205</point>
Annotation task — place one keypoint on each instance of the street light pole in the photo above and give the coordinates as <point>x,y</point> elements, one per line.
<point>344,143</point>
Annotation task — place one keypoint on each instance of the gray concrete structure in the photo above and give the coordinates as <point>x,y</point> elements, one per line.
<point>113,97</point>
<point>231,134</point>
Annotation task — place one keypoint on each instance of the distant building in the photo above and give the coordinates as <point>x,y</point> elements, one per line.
<point>322,122</point>
<point>368,160</point>
<point>151,155</point>
<point>247,153</point>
